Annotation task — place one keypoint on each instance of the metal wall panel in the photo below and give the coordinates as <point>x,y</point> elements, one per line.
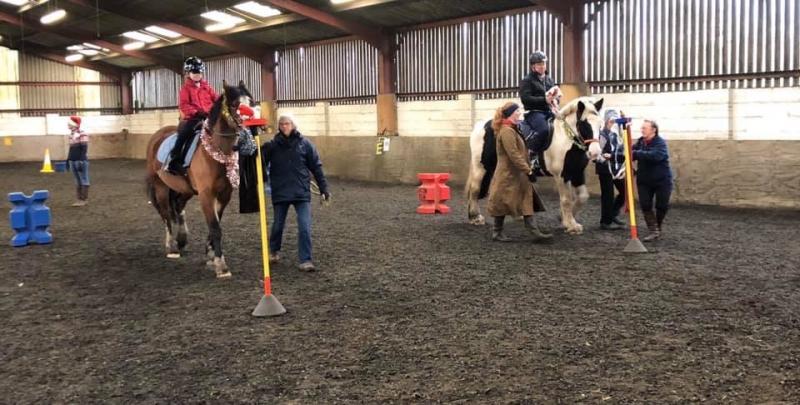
<point>669,45</point>
<point>347,69</point>
<point>489,54</point>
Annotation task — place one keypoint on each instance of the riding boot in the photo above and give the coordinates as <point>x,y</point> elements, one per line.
<point>660,215</point>
<point>652,226</point>
<point>85,190</point>
<point>79,196</point>
<point>497,230</point>
<point>538,235</point>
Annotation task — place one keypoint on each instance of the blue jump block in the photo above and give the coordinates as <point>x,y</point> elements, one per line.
<point>30,218</point>
<point>60,166</point>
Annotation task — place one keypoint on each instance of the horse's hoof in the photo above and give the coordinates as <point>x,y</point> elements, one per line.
<point>173,255</point>
<point>226,274</point>
<point>477,221</point>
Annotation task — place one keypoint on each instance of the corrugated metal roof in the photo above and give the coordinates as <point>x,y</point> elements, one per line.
<point>389,13</point>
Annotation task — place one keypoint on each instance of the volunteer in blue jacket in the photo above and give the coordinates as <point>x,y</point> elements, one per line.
<point>653,178</point>
<point>293,159</point>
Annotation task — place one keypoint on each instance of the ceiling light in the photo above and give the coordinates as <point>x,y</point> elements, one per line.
<point>140,37</point>
<point>15,2</point>
<point>223,18</point>
<point>75,47</point>
<point>93,46</point>
<point>340,1</point>
<point>133,45</point>
<point>50,18</point>
<point>155,29</point>
<point>89,52</point>
<point>219,27</point>
<point>74,57</point>
<point>257,9</point>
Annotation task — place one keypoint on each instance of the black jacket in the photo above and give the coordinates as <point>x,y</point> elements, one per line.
<point>532,91</point>
<point>292,160</point>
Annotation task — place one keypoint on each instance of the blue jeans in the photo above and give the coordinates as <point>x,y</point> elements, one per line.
<point>303,210</point>
<point>80,169</point>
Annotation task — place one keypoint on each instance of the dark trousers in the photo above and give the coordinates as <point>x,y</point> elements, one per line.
<point>186,130</point>
<point>660,192</point>
<point>610,205</point>
<point>537,120</point>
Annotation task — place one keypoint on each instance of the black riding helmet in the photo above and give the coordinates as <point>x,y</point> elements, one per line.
<point>193,64</point>
<point>538,57</point>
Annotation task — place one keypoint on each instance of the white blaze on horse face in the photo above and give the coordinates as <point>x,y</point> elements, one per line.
<point>597,123</point>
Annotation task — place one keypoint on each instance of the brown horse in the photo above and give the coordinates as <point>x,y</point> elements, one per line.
<point>208,177</point>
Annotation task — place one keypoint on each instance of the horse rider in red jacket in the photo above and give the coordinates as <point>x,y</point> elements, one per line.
<point>195,102</point>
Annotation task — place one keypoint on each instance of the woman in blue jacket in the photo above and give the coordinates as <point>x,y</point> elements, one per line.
<point>653,178</point>
<point>292,159</point>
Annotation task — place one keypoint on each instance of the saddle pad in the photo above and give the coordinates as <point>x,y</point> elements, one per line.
<point>169,142</point>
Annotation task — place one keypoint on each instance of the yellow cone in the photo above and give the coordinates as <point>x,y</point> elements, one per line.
<point>47,167</point>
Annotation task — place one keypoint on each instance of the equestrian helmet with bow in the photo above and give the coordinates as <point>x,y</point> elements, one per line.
<point>193,64</point>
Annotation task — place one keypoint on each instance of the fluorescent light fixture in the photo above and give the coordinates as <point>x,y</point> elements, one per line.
<point>15,2</point>
<point>93,46</point>
<point>140,37</point>
<point>74,57</point>
<point>50,18</point>
<point>89,52</point>
<point>219,27</point>
<point>257,9</point>
<point>75,47</point>
<point>223,18</point>
<point>133,45</point>
<point>340,1</point>
<point>155,29</point>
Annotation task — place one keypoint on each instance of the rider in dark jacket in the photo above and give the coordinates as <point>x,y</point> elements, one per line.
<point>533,93</point>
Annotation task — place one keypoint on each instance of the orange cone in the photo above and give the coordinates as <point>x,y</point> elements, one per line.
<point>47,167</point>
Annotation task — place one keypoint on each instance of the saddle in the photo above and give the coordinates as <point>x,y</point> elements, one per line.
<point>537,144</point>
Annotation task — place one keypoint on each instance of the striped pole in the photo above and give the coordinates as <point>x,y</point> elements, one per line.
<point>634,244</point>
<point>269,304</point>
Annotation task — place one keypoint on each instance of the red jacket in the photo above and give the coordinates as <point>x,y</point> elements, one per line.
<point>194,98</point>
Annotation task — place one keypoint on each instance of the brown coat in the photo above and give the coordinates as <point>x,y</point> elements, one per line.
<point>511,193</point>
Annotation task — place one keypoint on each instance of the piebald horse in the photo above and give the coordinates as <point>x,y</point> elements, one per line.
<point>574,143</point>
<point>211,174</point>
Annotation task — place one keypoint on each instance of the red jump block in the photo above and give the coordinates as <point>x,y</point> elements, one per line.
<point>433,193</point>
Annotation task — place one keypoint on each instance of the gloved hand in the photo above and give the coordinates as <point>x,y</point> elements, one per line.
<point>326,197</point>
<point>532,176</point>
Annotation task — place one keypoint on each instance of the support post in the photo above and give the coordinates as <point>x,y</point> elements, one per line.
<point>574,82</point>
<point>126,93</point>
<point>387,92</point>
<point>269,91</point>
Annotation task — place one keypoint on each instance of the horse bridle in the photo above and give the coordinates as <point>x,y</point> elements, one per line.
<point>577,139</point>
<point>232,120</point>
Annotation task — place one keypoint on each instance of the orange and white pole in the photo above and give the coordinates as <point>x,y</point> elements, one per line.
<point>269,304</point>
<point>634,244</point>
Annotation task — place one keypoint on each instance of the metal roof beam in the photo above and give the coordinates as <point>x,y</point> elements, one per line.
<point>58,56</point>
<point>212,39</point>
<point>376,36</point>
<point>83,37</point>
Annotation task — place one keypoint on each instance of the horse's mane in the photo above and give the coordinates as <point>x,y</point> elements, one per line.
<point>572,106</point>
<point>232,93</point>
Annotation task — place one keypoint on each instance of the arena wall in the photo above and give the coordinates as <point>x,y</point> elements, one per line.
<point>731,147</point>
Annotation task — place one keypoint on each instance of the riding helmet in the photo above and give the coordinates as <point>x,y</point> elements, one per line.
<point>538,57</point>
<point>193,64</point>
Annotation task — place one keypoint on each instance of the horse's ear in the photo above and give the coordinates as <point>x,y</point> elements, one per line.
<point>598,105</point>
<point>241,83</point>
<point>581,109</point>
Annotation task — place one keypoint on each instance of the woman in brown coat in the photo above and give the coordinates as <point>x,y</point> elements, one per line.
<point>511,191</point>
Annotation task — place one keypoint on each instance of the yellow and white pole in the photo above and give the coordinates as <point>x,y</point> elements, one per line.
<point>269,304</point>
<point>634,244</point>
